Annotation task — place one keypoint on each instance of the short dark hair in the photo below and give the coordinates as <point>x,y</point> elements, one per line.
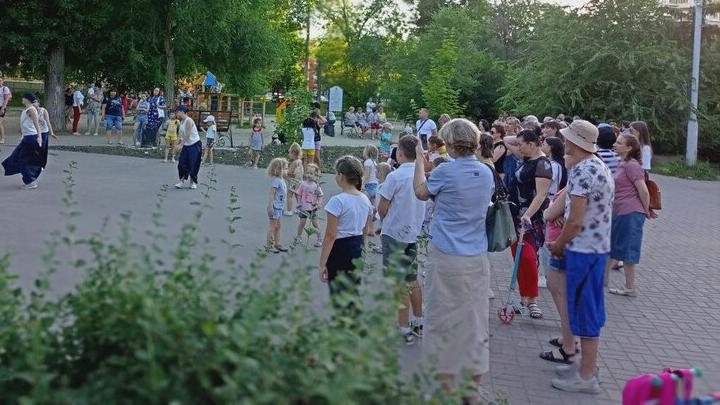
<point>606,138</point>
<point>436,140</point>
<point>484,124</point>
<point>530,136</point>
<point>407,145</point>
<point>500,129</point>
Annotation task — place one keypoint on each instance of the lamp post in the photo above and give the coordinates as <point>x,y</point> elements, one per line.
<point>692,129</point>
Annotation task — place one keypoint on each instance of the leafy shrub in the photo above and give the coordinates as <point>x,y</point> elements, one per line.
<point>703,170</point>
<point>150,326</point>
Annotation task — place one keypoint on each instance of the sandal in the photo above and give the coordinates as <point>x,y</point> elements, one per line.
<point>618,266</point>
<point>535,311</point>
<point>556,342</point>
<point>281,248</point>
<point>550,356</point>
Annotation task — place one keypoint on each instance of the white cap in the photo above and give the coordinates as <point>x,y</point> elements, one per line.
<point>209,118</point>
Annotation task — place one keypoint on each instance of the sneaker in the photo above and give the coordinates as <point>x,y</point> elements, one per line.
<point>417,330</point>
<point>289,213</point>
<point>87,133</point>
<point>491,294</point>
<point>96,134</point>
<point>318,243</point>
<point>281,248</point>
<point>181,184</point>
<point>627,292</point>
<point>76,133</point>
<point>271,249</point>
<point>569,370</point>
<point>173,160</point>
<point>193,186</point>
<point>542,282</point>
<point>164,160</point>
<point>577,384</point>
<point>30,186</point>
<point>409,338</point>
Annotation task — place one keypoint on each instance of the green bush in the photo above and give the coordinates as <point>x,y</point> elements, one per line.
<point>703,170</point>
<point>150,326</point>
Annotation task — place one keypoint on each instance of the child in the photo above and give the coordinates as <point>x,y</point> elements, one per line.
<point>372,119</point>
<point>370,180</point>
<point>209,138</point>
<point>436,148</point>
<point>294,175</point>
<point>171,136</point>
<point>348,217</point>
<point>309,196</point>
<point>256,143</point>
<point>309,126</point>
<point>141,118</point>
<point>277,169</point>
<point>383,169</point>
<point>386,141</point>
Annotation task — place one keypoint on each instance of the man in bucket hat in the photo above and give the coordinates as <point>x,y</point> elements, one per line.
<point>585,244</point>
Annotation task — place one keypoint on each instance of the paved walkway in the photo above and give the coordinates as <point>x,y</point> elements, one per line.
<point>674,322</point>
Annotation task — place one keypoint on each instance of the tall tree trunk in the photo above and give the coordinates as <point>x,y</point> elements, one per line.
<point>307,47</point>
<point>54,82</point>
<point>170,63</point>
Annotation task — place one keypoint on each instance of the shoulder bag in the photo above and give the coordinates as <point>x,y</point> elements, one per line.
<point>499,223</point>
<point>654,191</point>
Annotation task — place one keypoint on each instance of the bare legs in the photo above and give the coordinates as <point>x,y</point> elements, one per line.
<point>170,148</point>
<point>558,290</point>
<point>412,296</point>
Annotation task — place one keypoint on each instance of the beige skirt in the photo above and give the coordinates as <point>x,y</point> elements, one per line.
<point>456,336</point>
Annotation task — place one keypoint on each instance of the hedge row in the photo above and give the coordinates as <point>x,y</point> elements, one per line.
<point>229,156</point>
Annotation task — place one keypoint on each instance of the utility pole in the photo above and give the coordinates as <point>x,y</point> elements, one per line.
<point>692,129</point>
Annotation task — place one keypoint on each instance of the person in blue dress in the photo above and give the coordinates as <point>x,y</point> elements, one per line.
<point>156,116</point>
<point>27,159</point>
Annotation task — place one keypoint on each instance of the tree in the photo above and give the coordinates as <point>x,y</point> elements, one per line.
<point>41,39</point>
<point>439,96</point>
<point>614,60</point>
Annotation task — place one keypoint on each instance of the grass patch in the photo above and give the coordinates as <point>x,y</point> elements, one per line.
<point>703,170</point>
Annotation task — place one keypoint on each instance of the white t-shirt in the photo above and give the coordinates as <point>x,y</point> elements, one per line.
<point>556,178</point>
<point>371,165</point>
<point>646,157</point>
<point>41,120</point>
<point>78,98</point>
<point>4,93</point>
<point>425,127</point>
<point>592,179</point>
<point>352,212</point>
<point>405,216</point>
<point>369,106</point>
<point>194,136</point>
<point>308,138</point>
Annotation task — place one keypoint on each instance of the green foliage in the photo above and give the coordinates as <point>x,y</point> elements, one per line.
<point>146,325</point>
<point>619,61</point>
<point>437,92</point>
<point>703,170</point>
<point>298,109</point>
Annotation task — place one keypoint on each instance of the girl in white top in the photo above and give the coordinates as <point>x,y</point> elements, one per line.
<point>370,180</point>
<point>45,130</point>
<point>26,158</point>
<point>191,154</point>
<point>640,130</point>
<point>349,215</point>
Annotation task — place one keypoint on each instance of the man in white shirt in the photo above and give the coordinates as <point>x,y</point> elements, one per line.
<point>95,97</point>
<point>425,127</point>
<point>77,109</point>
<point>5,96</point>
<point>403,214</point>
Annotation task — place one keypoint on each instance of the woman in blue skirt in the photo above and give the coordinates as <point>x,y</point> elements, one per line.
<point>46,130</point>
<point>27,158</point>
<point>191,154</point>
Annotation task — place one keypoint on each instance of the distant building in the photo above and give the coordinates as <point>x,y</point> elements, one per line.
<point>688,7</point>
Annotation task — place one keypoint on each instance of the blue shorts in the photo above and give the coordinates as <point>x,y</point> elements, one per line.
<point>276,214</point>
<point>371,189</point>
<point>113,121</point>
<point>626,237</point>
<point>585,293</point>
<point>210,143</point>
<point>549,261</point>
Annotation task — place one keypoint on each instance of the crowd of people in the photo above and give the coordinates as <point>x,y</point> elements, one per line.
<point>579,195</point>
<point>578,190</point>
